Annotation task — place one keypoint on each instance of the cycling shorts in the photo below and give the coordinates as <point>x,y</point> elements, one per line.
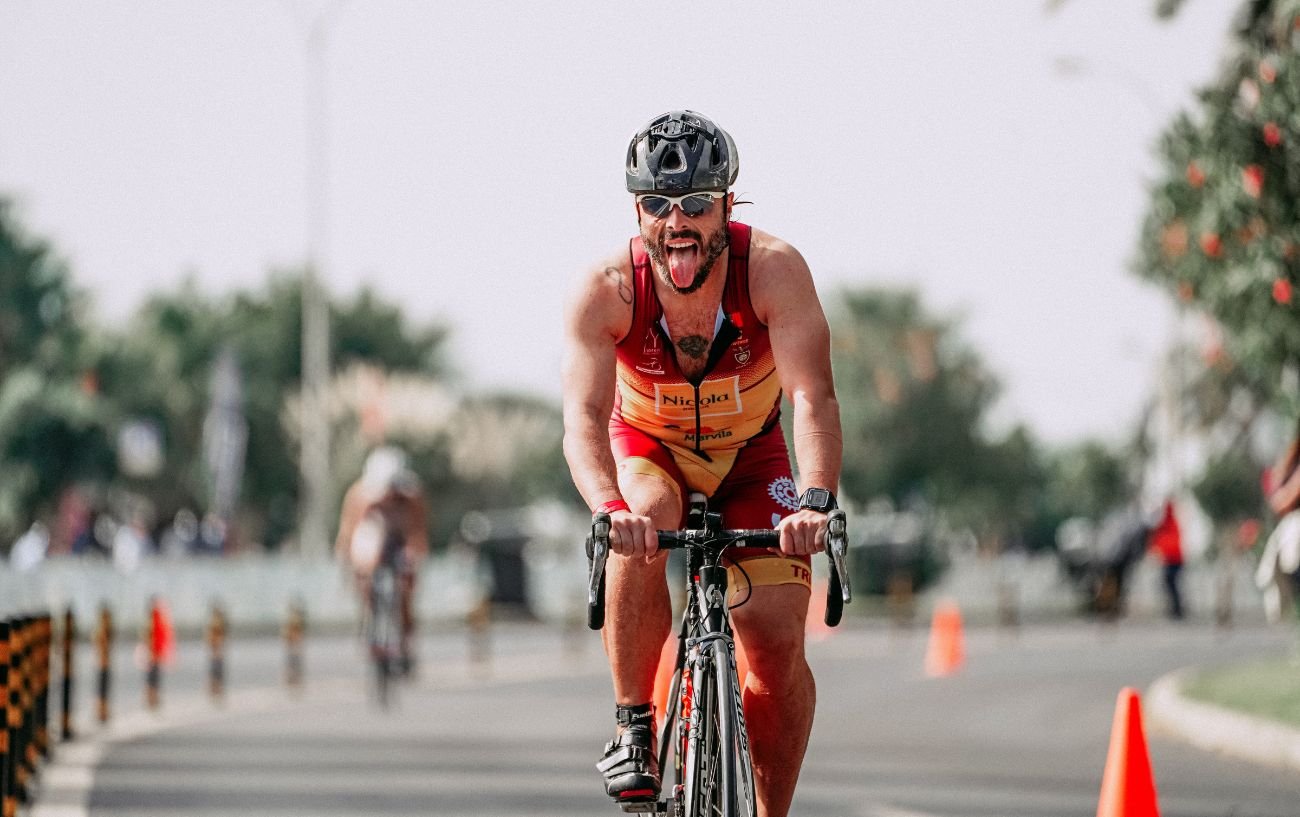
<point>757,492</point>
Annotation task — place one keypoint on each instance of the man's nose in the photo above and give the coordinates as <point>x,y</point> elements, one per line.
<point>676,215</point>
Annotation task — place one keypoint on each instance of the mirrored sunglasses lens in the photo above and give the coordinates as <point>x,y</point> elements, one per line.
<point>657,206</point>
<point>697,205</point>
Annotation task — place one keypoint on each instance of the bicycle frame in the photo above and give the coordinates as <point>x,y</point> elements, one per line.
<point>705,724</point>
<point>384,624</point>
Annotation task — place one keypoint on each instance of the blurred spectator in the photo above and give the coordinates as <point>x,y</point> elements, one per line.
<point>1279,565</point>
<point>95,535</point>
<point>1122,541</point>
<point>179,537</point>
<point>1284,480</point>
<point>130,543</point>
<point>70,519</point>
<point>1167,544</point>
<point>30,548</point>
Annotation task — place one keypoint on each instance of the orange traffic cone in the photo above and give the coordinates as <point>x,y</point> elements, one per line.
<point>946,652</point>
<point>664,676</point>
<point>1127,786</point>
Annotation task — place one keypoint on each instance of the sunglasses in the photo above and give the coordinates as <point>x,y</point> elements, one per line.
<point>692,204</point>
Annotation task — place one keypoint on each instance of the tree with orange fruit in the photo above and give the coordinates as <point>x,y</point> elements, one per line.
<point>1222,231</point>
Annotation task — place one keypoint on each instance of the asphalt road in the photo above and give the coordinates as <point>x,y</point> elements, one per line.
<point>1022,729</point>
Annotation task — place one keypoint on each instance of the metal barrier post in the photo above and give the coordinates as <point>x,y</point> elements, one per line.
<point>295,629</point>
<point>69,639</point>
<point>216,637</point>
<point>104,659</point>
<point>153,651</point>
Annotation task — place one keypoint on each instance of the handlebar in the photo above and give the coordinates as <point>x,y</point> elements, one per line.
<point>838,592</point>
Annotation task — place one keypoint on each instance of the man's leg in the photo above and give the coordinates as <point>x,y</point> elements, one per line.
<point>638,617</point>
<point>780,694</point>
<point>638,611</point>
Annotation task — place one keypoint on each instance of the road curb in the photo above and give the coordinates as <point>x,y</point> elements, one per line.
<point>1216,729</point>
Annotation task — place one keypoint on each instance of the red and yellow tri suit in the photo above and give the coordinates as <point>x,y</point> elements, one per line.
<point>719,435</point>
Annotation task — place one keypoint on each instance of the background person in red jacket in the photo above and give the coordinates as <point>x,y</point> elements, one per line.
<point>1167,543</point>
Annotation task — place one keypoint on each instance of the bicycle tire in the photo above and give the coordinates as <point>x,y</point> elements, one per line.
<point>700,794</point>
<point>737,766</point>
<point>383,640</point>
<point>719,770</point>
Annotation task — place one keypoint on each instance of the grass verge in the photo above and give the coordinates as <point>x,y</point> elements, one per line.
<point>1269,689</point>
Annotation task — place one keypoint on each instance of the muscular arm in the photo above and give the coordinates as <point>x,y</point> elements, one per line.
<point>784,297</point>
<point>417,532</point>
<point>597,316</point>
<point>348,519</point>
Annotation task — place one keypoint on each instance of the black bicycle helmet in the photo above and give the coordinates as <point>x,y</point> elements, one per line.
<point>681,150</point>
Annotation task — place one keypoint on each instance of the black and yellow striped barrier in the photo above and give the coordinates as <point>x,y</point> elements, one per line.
<point>6,752</point>
<point>216,638</point>
<point>25,646</point>
<point>66,665</point>
<point>104,662</point>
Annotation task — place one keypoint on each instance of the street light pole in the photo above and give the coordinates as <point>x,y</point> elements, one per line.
<point>315,427</point>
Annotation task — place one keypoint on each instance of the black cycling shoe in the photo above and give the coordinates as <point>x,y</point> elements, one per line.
<point>631,766</point>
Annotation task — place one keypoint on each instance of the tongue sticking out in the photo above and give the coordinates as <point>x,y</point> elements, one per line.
<point>683,264</point>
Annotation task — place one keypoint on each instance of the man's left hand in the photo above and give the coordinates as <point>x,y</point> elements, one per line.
<point>803,533</point>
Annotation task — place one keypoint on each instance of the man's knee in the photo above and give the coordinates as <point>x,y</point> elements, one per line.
<point>772,635</point>
<point>654,497</point>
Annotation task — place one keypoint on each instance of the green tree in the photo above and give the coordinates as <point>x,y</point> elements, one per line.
<point>159,367</point>
<point>914,398</point>
<point>54,428</point>
<point>40,322</point>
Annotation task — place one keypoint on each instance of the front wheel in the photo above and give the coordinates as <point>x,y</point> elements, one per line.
<point>718,769</point>
<point>385,634</point>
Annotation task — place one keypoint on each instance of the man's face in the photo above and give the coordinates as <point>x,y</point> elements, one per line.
<point>683,248</point>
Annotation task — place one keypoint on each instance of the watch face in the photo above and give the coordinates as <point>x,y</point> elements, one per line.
<point>819,499</point>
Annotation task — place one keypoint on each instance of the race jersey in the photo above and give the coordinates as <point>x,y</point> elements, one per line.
<point>704,424</point>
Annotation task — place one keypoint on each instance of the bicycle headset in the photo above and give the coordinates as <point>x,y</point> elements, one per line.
<point>681,150</point>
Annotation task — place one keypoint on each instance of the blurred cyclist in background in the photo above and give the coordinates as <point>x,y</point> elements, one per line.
<point>385,516</point>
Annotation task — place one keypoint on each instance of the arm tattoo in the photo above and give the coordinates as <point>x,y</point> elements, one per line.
<point>693,345</point>
<point>624,291</point>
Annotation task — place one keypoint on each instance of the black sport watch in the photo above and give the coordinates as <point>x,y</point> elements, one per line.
<point>817,499</point>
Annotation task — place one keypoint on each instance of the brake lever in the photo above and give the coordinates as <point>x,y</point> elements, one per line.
<point>837,547</point>
<point>599,553</point>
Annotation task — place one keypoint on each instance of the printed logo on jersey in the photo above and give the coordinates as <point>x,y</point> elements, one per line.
<point>708,434</point>
<point>742,351</point>
<point>652,353</point>
<point>784,492</point>
<point>717,398</point>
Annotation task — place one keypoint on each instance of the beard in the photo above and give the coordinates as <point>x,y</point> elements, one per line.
<point>713,249</point>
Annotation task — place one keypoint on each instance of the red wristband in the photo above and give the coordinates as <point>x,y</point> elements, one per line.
<point>612,505</point>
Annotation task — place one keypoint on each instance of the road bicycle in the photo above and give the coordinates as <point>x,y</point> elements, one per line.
<point>704,727</point>
<point>384,621</point>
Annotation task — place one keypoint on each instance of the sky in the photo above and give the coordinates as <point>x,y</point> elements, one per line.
<point>475,152</point>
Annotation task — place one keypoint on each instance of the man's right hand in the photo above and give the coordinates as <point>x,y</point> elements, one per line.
<point>631,535</point>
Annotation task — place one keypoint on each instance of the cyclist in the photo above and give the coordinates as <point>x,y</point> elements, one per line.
<point>678,350</point>
<point>384,515</point>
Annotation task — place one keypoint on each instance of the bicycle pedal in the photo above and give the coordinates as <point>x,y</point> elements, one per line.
<point>645,807</point>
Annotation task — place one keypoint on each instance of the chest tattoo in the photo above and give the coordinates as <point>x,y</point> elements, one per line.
<point>693,346</point>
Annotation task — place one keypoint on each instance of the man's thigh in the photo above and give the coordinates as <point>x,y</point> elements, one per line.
<point>648,478</point>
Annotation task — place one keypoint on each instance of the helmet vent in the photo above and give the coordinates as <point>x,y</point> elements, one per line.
<point>673,161</point>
